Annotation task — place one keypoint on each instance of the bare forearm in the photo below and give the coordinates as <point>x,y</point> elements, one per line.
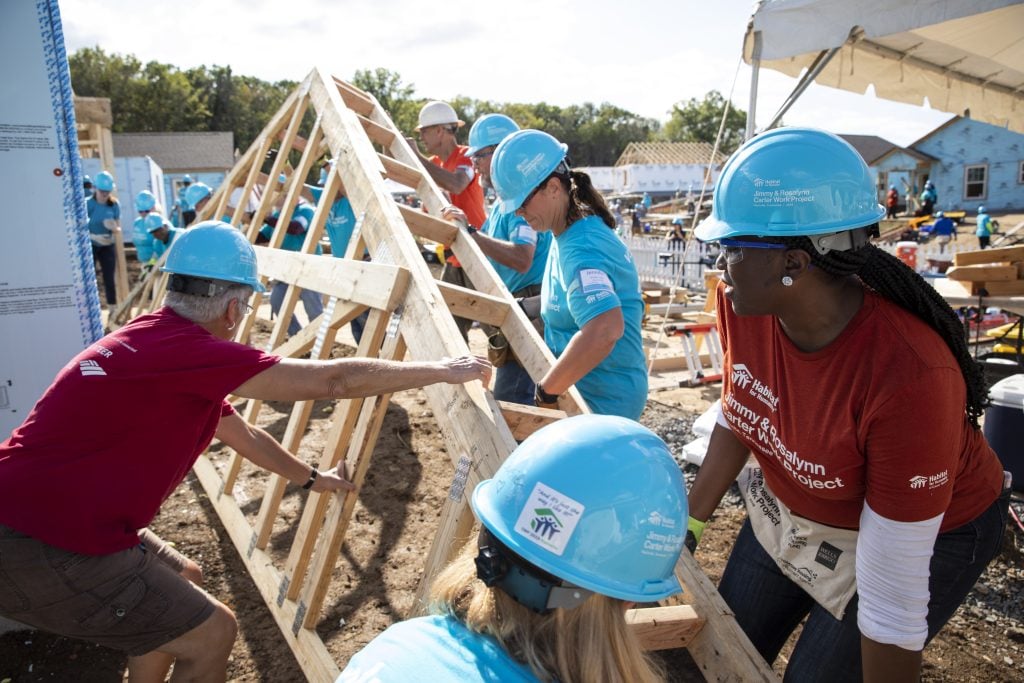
<point>518,257</point>
<point>585,351</point>
<point>725,458</point>
<point>264,451</point>
<point>889,663</point>
<point>359,377</point>
<point>452,181</point>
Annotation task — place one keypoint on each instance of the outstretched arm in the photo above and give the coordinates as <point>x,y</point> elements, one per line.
<point>300,380</point>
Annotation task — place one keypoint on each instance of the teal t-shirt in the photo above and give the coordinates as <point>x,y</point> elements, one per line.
<point>589,272</point>
<point>142,240</point>
<point>340,223</point>
<point>512,228</point>
<point>984,228</point>
<point>303,214</point>
<point>435,648</point>
<point>159,247</point>
<point>100,212</point>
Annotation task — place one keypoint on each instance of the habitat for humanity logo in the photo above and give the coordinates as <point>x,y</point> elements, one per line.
<point>744,379</point>
<point>548,518</point>
<point>90,368</point>
<point>545,523</point>
<point>932,481</point>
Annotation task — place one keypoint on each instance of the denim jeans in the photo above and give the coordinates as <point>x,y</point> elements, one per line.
<point>513,384</point>
<point>769,606</point>
<point>358,324</point>
<point>107,256</point>
<point>312,301</point>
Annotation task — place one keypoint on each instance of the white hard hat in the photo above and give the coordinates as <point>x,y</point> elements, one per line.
<point>437,114</point>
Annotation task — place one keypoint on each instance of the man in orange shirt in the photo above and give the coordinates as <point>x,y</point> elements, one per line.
<point>452,170</point>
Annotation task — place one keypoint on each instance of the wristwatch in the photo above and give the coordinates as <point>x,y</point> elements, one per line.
<point>541,396</point>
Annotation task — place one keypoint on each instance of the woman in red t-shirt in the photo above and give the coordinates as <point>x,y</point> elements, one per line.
<point>870,524</point>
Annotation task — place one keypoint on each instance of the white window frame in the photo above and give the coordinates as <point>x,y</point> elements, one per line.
<point>984,183</point>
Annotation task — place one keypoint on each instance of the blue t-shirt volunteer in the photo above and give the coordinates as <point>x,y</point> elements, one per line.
<point>589,272</point>
<point>435,648</point>
<point>98,213</point>
<point>303,215</point>
<point>159,247</point>
<point>512,228</point>
<point>142,240</point>
<point>340,222</point>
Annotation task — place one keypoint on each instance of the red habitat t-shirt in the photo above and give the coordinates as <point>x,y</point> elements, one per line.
<point>878,415</point>
<point>117,431</point>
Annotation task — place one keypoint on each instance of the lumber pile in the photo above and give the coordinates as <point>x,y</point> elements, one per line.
<point>990,272</point>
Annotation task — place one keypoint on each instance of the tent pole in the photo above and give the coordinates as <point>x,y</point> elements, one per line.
<point>755,64</point>
<point>820,62</point>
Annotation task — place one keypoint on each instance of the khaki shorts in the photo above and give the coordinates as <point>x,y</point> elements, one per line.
<point>134,600</point>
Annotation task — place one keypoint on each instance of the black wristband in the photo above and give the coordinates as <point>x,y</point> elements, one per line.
<point>470,229</point>
<point>541,396</point>
<point>313,474</point>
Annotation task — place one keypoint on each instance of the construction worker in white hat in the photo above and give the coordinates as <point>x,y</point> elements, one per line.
<point>452,169</point>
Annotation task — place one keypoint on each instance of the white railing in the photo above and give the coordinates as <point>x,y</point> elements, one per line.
<point>668,262</point>
<point>682,264</point>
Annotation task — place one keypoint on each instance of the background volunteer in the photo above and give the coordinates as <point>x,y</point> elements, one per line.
<point>104,213</point>
<point>517,251</point>
<point>452,169</point>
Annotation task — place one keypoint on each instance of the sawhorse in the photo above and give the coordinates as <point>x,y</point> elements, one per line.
<point>692,334</point>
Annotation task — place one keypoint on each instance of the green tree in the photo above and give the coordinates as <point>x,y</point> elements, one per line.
<point>153,97</point>
<point>698,121</point>
<point>395,97</point>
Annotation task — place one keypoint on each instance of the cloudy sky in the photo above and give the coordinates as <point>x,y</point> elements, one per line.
<point>643,55</point>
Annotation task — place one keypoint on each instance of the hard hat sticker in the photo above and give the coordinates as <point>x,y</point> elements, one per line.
<point>549,518</point>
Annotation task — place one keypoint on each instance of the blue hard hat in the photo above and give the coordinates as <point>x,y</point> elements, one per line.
<point>939,214</point>
<point>789,182</point>
<point>981,209</point>
<point>214,250</point>
<point>187,179</point>
<point>87,181</point>
<point>595,500</point>
<point>521,163</point>
<point>196,193</point>
<point>677,221</point>
<point>105,182</point>
<point>145,201</point>
<point>488,130</point>
<point>154,221</point>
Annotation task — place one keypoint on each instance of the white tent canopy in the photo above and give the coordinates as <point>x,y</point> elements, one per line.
<point>965,56</point>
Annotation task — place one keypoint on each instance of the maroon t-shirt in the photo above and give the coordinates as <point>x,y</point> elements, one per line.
<point>117,431</point>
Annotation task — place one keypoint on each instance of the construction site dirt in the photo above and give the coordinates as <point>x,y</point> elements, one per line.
<point>381,561</point>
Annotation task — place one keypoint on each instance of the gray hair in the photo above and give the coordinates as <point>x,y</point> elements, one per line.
<point>204,309</point>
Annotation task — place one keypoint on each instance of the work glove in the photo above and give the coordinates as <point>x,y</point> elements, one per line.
<point>694,529</point>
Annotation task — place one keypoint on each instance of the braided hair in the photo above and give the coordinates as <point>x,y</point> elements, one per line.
<point>584,200</point>
<point>890,277</point>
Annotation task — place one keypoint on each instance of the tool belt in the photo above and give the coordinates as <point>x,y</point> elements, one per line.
<point>499,352</point>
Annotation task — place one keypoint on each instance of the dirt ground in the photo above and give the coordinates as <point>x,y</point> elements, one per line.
<point>394,522</point>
